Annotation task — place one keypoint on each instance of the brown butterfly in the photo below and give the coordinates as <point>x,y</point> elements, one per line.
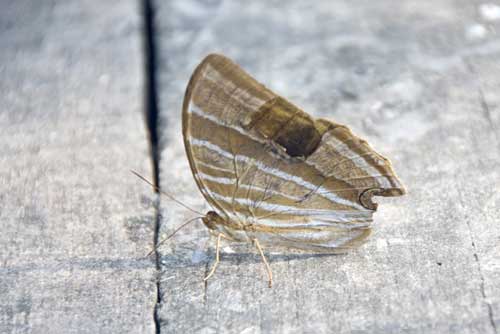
<point>273,174</point>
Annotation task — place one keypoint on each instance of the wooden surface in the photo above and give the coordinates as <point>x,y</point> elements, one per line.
<point>75,224</point>
<point>419,79</point>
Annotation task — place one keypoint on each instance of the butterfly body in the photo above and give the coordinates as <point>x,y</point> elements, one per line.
<point>273,173</point>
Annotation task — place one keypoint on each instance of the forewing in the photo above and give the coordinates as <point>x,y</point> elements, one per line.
<point>259,159</point>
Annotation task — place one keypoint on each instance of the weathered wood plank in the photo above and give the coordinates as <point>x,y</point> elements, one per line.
<point>420,81</point>
<point>75,224</point>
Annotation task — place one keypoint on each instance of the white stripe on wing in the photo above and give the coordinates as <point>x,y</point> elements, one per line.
<point>276,172</point>
<point>360,161</point>
<point>226,180</point>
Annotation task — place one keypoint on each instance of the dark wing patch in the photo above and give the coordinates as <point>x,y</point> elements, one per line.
<point>288,126</point>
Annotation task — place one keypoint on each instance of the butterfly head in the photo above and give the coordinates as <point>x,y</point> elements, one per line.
<point>212,219</point>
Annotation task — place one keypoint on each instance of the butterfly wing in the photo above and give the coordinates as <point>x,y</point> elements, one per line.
<point>266,164</point>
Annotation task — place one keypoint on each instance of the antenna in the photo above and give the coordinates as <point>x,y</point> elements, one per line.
<point>173,233</point>
<point>169,196</point>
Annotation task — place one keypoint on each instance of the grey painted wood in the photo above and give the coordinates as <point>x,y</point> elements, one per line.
<point>419,80</point>
<point>75,224</point>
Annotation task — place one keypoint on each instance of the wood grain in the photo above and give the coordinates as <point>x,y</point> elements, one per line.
<point>75,224</point>
<point>419,83</point>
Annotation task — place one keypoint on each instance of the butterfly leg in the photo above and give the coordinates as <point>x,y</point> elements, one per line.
<point>217,256</point>
<point>268,267</point>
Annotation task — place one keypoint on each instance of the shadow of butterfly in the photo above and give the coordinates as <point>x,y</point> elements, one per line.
<point>273,174</point>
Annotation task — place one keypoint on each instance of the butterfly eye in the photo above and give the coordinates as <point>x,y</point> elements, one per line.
<point>210,221</point>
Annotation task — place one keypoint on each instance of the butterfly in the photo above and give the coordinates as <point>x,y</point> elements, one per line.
<point>273,174</point>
